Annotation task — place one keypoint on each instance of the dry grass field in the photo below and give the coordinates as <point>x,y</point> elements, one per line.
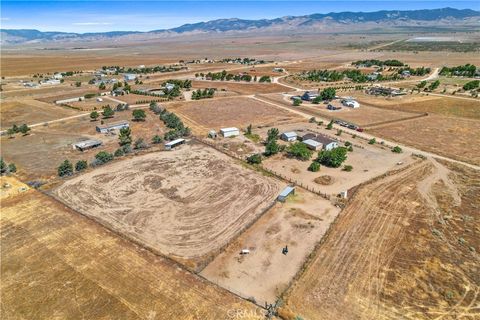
<point>242,88</point>
<point>57,264</point>
<point>451,137</point>
<point>404,247</point>
<point>195,200</point>
<point>30,111</point>
<point>446,106</point>
<point>264,274</point>
<point>208,114</point>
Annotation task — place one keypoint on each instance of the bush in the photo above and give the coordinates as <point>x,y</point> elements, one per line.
<point>397,149</point>
<point>350,148</point>
<point>272,148</point>
<point>330,125</point>
<point>297,102</point>
<point>65,169</point>
<point>12,168</point>
<point>347,168</point>
<point>103,157</point>
<point>372,141</point>
<point>300,151</point>
<point>127,149</point>
<point>255,159</point>
<point>312,120</point>
<point>140,144</point>
<point>314,166</point>
<point>157,139</point>
<point>119,152</point>
<point>333,158</point>
<point>348,144</point>
<point>339,132</point>
<point>139,115</point>
<point>81,165</point>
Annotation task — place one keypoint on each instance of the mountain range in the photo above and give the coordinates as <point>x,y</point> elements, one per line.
<point>330,22</point>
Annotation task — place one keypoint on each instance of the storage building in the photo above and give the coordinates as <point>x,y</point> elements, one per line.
<point>312,144</point>
<point>112,126</point>
<point>129,76</point>
<point>87,144</point>
<point>351,103</point>
<point>285,193</point>
<point>289,136</point>
<point>229,132</point>
<point>172,144</point>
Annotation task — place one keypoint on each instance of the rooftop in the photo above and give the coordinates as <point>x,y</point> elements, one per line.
<point>174,142</point>
<point>285,192</point>
<point>229,129</point>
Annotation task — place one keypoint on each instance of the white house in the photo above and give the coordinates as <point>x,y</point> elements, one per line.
<point>229,132</point>
<point>129,76</point>
<point>312,144</point>
<point>58,76</point>
<point>289,136</point>
<point>327,143</point>
<point>351,103</point>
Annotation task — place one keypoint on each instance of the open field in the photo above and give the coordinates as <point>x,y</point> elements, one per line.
<point>264,273</point>
<point>196,199</point>
<point>448,136</point>
<point>447,106</point>
<point>228,112</point>
<point>30,111</point>
<point>68,94</point>
<point>400,249</point>
<point>363,116</point>
<point>38,154</point>
<point>242,88</point>
<point>57,264</point>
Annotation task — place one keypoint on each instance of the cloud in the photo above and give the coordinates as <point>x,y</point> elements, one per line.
<point>5,19</point>
<point>92,23</point>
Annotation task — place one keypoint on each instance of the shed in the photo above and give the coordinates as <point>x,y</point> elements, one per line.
<point>172,144</point>
<point>230,132</point>
<point>129,76</point>
<point>351,103</point>
<point>289,136</point>
<point>112,126</point>
<point>87,144</point>
<point>212,134</point>
<point>309,95</point>
<point>312,144</point>
<point>285,193</point>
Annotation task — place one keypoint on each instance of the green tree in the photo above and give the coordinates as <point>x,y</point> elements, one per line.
<point>434,85</point>
<point>330,125</point>
<point>300,151</point>
<point>347,168</point>
<point>139,115</point>
<point>272,134</point>
<point>328,93</point>
<point>140,144</point>
<point>12,168</point>
<point>107,112</point>
<point>78,84</point>
<point>297,102</point>
<point>271,148</point>
<point>3,166</point>
<point>332,158</point>
<point>471,85</point>
<point>157,139</point>
<point>314,166</point>
<point>249,130</point>
<point>94,115</point>
<point>255,159</point>
<point>24,129</point>
<point>372,141</point>
<point>422,84</point>
<point>119,152</point>
<point>103,157</point>
<point>65,169</point>
<point>125,136</point>
<point>10,132</point>
<point>397,149</point>
<point>81,165</point>
<point>101,86</point>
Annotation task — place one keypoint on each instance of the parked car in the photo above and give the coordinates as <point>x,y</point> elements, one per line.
<point>359,129</point>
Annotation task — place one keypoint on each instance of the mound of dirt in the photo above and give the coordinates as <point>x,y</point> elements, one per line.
<point>324,180</point>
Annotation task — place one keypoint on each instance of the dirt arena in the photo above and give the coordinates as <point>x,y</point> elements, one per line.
<point>57,264</point>
<point>264,274</point>
<point>397,244</point>
<point>196,199</point>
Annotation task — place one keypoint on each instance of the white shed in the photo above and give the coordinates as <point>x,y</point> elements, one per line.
<point>289,136</point>
<point>313,145</point>
<point>230,132</point>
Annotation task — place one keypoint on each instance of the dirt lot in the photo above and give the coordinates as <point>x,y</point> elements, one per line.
<point>38,154</point>
<point>298,223</point>
<point>227,112</point>
<point>243,88</point>
<point>404,247</point>
<point>447,106</point>
<point>30,111</point>
<point>194,204</point>
<point>447,136</point>
<point>57,264</point>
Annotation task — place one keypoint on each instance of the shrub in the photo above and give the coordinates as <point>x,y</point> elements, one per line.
<point>330,125</point>
<point>397,149</point>
<point>140,144</point>
<point>157,139</point>
<point>314,166</point>
<point>372,141</point>
<point>350,148</point>
<point>12,168</point>
<point>300,151</point>
<point>103,157</point>
<point>127,149</point>
<point>272,148</point>
<point>65,169</point>
<point>347,168</point>
<point>339,132</point>
<point>139,115</point>
<point>119,152</point>
<point>297,102</point>
<point>81,165</point>
<point>312,120</point>
<point>255,159</point>
<point>348,144</point>
<point>94,115</point>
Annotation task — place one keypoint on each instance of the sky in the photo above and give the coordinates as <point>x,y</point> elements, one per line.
<point>119,15</point>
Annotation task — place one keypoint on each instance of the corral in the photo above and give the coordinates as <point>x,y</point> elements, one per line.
<point>195,200</point>
<point>240,87</point>
<point>265,272</point>
<point>401,241</point>
<point>58,264</point>
<point>229,112</point>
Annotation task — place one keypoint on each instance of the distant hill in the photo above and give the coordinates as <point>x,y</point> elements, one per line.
<point>334,22</point>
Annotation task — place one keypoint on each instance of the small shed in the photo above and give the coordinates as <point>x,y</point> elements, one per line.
<point>129,76</point>
<point>112,126</point>
<point>309,95</point>
<point>212,134</point>
<point>289,136</point>
<point>172,144</point>
<point>285,193</point>
<point>87,144</point>
<point>230,132</point>
<point>313,145</point>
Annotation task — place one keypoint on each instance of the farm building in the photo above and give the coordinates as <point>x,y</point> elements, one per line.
<point>51,81</point>
<point>309,95</point>
<point>172,144</point>
<point>351,103</point>
<point>327,143</point>
<point>289,136</point>
<point>229,132</point>
<point>129,76</point>
<point>112,126</point>
<point>285,193</point>
<point>58,76</point>
<point>313,144</point>
<point>69,100</point>
<point>87,144</point>
<point>169,86</point>
<point>212,134</point>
